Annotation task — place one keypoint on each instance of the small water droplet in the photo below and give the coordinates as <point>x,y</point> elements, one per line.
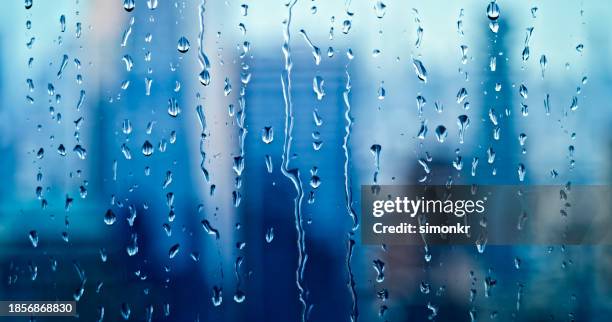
<point>420,70</point>
<point>129,5</point>
<point>109,217</point>
<point>174,250</point>
<point>463,121</point>
<point>183,45</point>
<point>441,133</point>
<point>267,134</point>
<point>147,148</point>
<point>493,11</point>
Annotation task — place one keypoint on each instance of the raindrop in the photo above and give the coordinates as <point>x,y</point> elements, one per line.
<point>227,88</point>
<point>316,52</point>
<point>521,172</point>
<point>269,235</point>
<point>126,151</point>
<point>126,126</point>
<point>461,95</point>
<point>208,228</point>
<point>422,131</point>
<point>267,134</point>
<point>63,65</point>
<point>346,26</point>
<point>125,311</point>
<point>269,166</point>
<point>173,107</point>
<point>420,70</point>
<point>493,11</point>
<point>379,267</point>
<point>217,297</point>
<point>463,121</point>
<point>317,87</point>
<point>129,63</point>
<point>183,45</point>
<point>129,5</point>
<point>464,50</point>
<point>61,150</point>
<point>381,91</point>
<point>110,217</point>
<point>380,9</point>
<point>147,148</point>
<point>522,137</point>
<point>152,4</point>
<point>80,151</point>
<point>523,91</point>
<point>441,133</point>
<point>543,63</point>
<point>574,105</point>
<point>33,236</point>
<point>173,250</point>
<point>62,23</point>
<point>493,63</point>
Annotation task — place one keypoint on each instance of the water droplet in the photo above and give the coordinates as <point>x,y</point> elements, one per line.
<point>267,134</point>
<point>227,87</point>
<point>147,148</point>
<point>33,236</point>
<point>380,8</point>
<point>110,217</point>
<point>183,45</point>
<point>63,65</point>
<point>269,235</point>
<point>125,311</point>
<point>521,172</point>
<point>379,267</point>
<point>317,87</point>
<point>316,52</point>
<point>574,105</point>
<point>28,4</point>
<point>217,297</point>
<point>493,11</point>
<point>62,23</point>
<point>441,133</point>
<point>461,95</point>
<point>420,70</point>
<point>422,131</point>
<point>173,107</point>
<point>129,5</point>
<point>463,121</point>
<point>208,228</point>
<point>269,166</point>
<point>543,63</point>
<point>80,151</point>
<point>580,48</point>
<point>381,91</point>
<point>346,26</point>
<point>174,250</point>
<point>523,91</point>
